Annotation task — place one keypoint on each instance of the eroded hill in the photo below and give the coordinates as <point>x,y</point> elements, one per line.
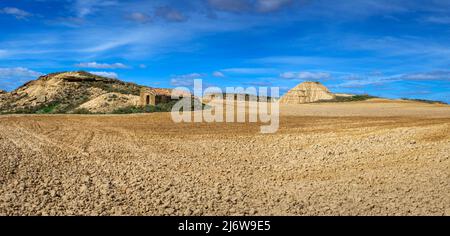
<point>68,92</point>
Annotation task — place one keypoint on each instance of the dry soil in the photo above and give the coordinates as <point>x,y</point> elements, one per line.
<point>363,158</point>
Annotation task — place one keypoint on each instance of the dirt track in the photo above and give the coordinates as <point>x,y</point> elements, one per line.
<point>326,159</point>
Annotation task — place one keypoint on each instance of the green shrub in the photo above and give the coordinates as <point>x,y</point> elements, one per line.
<point>353,98</point>
<point>150,109</point>
<point>161,107</point>
<point>166,107</point>
<point>26,110</point>
<point>424,101</point>
<point>48,109</point>
<point>129,110</point>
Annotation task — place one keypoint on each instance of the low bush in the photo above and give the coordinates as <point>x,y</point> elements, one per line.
<point>48,109</point>
<point>424,101</point>
<point>162,107</point>
<point>129,110</point>
<point>353,98</point>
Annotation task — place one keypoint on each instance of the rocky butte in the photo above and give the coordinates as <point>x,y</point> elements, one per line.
<point>307,92</point>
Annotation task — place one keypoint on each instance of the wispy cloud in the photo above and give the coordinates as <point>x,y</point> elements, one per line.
<point>361,82</point>
<point>431,75</point>
<point>358,81</point>
<point>271,5</point>
<point>305,75</point>
<point>83,8</point>
<point>258,83</point>
<point>239,6</point>
<point>170,14</point>
<point>397,46</point>
<point>101,65</point>
<point>139,17</point>
<point>11,78</point>
<point>16,12</point>
<point>218,74</point>
<point>438,19</point>
<point>250,71</point>
<point>18,72</point>
<point>297,60</point>
<point>112,75</point>
<point>186,80</point>
<point>230,5</point>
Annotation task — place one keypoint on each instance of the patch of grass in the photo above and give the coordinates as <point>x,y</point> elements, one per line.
<point>25,110</point>
<point>51,108</point>
<point>133,109</point>
<point>353,98</point>
<point>162,107</point>
<point>166,107</point>
<point>424,101</point>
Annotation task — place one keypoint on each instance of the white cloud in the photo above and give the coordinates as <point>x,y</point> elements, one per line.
<point>111,75</point>
<point>271,5</point>
<point>16,12</point>
<point>250,71</point>
<point>355,81</point>
<point>218,74</point>
<point>438,19</point>
<point>11,78</point>
<point>83,8</point>
<point>189,76</point>
<point>305,75</point>
<point>431,75</point>
<point>3,53</point>
<point>101,65</point>
<point>230,5</point>
<point>170,14</point>
<point>139,17</point>
<point>18,72</point>
<point>116,39</point>
<point>186,80</point>
<point>261,6</point>
<point>297,60</point>
<point>259,83</point>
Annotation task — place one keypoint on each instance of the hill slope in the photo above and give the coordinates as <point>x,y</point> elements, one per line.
<point>66,91</point>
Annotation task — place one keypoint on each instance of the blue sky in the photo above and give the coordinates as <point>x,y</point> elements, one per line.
<point>390,48</point>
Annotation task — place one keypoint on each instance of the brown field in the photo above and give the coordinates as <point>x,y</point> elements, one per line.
<point>363,158</point>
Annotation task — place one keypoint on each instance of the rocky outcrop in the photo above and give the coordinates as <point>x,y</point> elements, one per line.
<point>307,92</point>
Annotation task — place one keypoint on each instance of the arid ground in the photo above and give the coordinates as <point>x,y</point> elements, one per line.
<point>363,158</point>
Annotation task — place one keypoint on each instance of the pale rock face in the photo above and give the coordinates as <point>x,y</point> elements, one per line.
<point>109,102</point>
<point>307,92</point>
